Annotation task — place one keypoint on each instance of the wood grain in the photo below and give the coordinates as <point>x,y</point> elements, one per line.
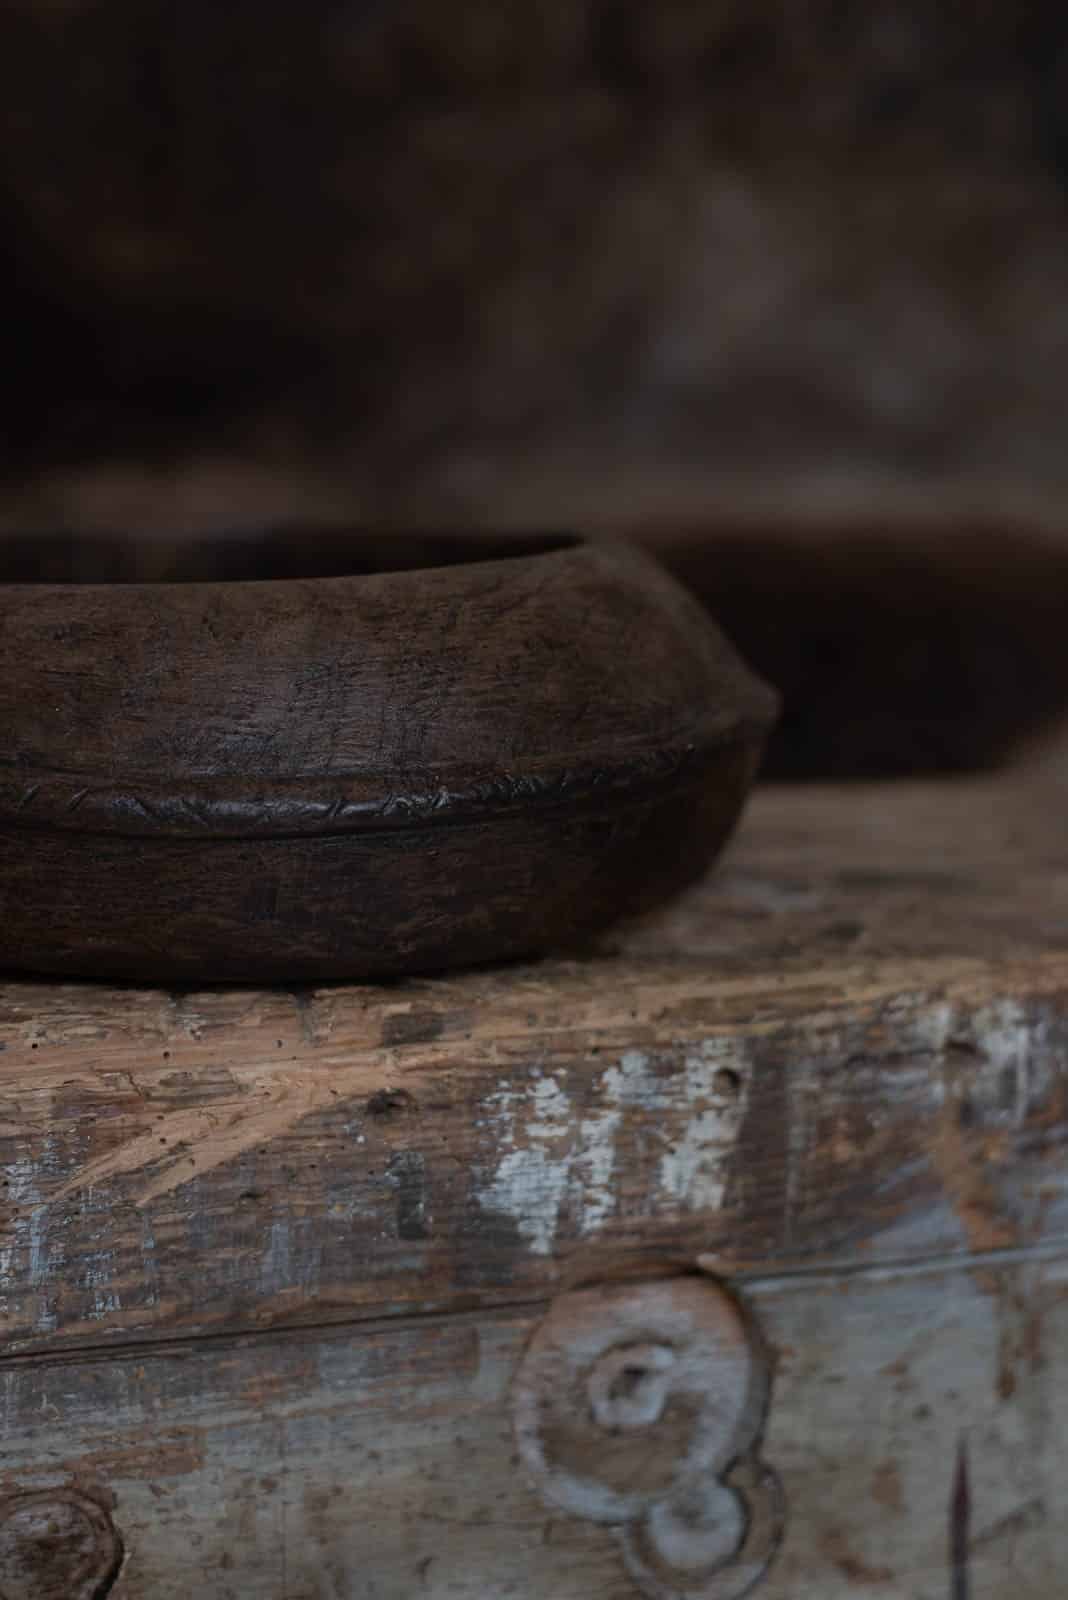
<point>353,774</point>
<point>849,1045</point>
<point>362,1464</point>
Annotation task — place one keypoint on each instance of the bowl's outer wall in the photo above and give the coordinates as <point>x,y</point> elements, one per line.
<point>254,702</point>
<point>351,906</point>
<point>219,782</point>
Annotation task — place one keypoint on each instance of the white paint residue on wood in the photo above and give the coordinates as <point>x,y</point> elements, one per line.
<point>716,1084</point>
<point>26,1248</point>
<point>1015,1048</point>
<point>20,1193</point>
<point>555,1162</point>
<point>531,1180</point>
<point>596,1164</point>
<point>274,1272</point>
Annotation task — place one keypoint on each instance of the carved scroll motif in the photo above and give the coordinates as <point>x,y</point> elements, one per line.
<point>641,1407</point>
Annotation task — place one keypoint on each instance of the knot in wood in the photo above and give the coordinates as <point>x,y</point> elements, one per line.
<point>57,1544</point>
<point>640,1406</point>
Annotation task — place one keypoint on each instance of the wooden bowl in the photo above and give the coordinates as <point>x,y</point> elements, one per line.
<point>276,761</point>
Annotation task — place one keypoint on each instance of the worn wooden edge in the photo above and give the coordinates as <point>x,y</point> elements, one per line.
<point>848,1045</point>
<point>233,1160</point>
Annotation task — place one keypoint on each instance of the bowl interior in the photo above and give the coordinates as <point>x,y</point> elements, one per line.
<point>252,556</point>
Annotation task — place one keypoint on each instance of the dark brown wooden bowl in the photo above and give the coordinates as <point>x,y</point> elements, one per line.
<point>286,764</point>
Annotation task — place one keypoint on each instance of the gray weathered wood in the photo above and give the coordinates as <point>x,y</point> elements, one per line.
<point>346,1464</point>
<point>268,1261</point>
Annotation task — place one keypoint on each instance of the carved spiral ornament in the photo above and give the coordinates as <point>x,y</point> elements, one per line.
<point>641,1406</point>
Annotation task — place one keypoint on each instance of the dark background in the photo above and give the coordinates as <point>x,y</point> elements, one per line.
<point>432,257</point>
<point>728,267</point>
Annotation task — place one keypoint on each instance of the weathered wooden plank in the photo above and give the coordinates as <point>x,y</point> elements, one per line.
<point>213,1183</point>
<point>378,1462</point>
<point>851,1044</point>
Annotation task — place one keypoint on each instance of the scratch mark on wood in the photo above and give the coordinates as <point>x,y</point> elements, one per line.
<point>959,1528</point>
<point>219,1135</point>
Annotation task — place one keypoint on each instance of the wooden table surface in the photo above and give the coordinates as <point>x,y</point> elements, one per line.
<point>268,1259</point>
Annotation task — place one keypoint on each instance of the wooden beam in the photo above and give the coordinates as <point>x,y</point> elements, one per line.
<point>849,1045</point>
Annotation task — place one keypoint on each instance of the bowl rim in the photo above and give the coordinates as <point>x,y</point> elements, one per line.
<point>389,799</point>
<point>486,547</point>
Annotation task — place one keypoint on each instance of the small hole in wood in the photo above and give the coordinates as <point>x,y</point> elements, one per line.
<point>387,1103</point>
